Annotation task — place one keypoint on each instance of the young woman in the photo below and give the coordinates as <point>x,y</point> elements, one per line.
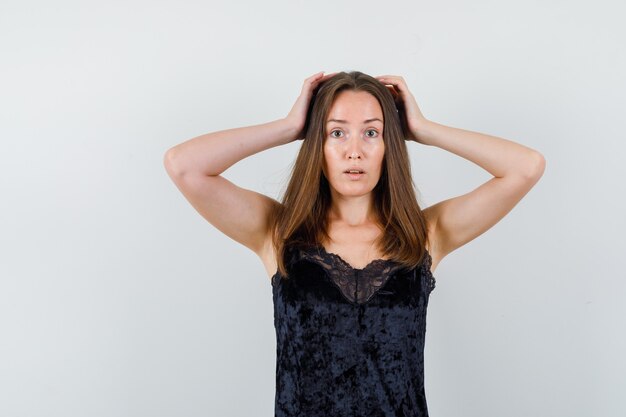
<point>349,252</point>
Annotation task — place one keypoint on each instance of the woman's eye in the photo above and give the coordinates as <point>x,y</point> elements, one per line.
<point>339,132</point>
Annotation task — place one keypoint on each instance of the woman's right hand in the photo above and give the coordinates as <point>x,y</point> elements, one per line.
<point>298,113</point>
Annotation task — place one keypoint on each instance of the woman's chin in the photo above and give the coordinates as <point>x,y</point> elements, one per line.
<point>356,190</point>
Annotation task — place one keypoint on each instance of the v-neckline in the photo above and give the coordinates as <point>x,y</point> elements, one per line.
<point>338,257</point>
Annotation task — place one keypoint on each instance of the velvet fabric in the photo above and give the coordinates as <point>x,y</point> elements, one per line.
<point>350,342</point>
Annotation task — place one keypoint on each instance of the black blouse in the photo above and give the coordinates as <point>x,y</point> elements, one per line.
<point>350,342</point>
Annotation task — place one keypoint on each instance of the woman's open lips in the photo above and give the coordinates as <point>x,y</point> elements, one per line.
<point>353,175</point>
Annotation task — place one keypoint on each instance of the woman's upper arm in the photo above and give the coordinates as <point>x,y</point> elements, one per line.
<point>461,219</point>
<point>239,213</point>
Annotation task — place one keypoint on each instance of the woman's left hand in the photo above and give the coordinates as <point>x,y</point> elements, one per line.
<point>410,115</point>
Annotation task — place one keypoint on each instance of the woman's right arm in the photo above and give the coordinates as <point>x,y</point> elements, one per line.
<point>195,167</point>
<point>211,154</point>
<point>196,164</point>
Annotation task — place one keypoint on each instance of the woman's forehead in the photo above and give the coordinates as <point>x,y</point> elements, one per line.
<point>354,103</point>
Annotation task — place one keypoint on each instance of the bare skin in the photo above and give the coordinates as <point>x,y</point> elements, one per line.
<point>349,142</point>
<point>353,245</point>
<point>195,166</point>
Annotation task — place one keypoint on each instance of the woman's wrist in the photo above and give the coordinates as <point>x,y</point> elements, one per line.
<point>289,127</point>
<point>421,132</point>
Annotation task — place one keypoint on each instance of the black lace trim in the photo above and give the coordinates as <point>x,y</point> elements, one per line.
<point>427,262</point>
<point>358,285</point>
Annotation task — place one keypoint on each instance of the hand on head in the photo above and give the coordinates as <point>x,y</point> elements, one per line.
<point>298,113</point>
<point>410,113</point>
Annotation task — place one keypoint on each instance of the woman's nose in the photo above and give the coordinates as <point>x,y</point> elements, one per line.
<point>354,149</point>
<point>354,152</point>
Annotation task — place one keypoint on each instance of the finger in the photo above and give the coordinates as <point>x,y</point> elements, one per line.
<point>329,75</point>
<point>315,83</point>
<point>309,83</point>
<point>399,87</point>
<point>314,77</point>
<point>388,82</point>
<point>325,77</point>
<point>390,78</point>
<point>392,90</point>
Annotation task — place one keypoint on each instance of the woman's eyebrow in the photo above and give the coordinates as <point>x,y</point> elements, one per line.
<point>345,121</point>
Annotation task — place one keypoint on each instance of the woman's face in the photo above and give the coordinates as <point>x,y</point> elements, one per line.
<point>354,138</point>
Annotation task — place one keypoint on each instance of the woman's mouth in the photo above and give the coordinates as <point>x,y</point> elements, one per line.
<point>354,174</point>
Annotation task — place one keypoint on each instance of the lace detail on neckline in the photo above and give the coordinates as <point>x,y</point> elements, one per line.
<point>372,264</point>
<point>358,285</point>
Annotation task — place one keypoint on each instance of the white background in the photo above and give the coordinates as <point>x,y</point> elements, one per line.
<point>118,299</point>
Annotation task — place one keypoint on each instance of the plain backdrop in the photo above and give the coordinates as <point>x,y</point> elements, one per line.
<point>118,299</point>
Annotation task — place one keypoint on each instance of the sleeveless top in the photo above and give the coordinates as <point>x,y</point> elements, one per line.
<point>350,342</point>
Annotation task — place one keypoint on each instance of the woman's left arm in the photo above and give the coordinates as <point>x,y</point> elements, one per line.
<point>500,157</point>
<point>516,169</point>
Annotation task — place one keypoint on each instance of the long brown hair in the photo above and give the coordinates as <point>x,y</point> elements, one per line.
<point>301,219</point>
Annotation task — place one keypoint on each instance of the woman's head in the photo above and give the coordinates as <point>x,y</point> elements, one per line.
<point>357,95</point>
<point>353,140</point>
<point>331,147</point>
